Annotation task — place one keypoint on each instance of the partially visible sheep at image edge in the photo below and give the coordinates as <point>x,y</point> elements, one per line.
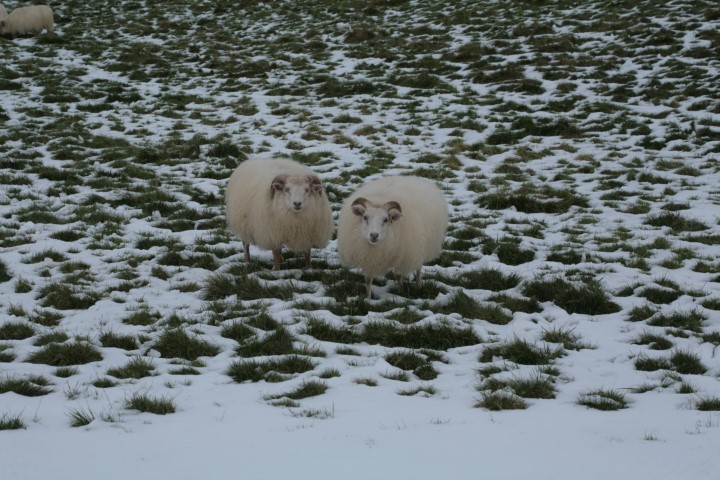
<point>3,12</point>
<point>394,223</point>
<point>32,19</point>
<point>273,203</point>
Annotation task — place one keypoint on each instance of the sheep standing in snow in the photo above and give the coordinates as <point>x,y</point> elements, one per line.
<point>276,202</point>
<point>3,12</point>
<point>396,223</point>
<point>32,19</point>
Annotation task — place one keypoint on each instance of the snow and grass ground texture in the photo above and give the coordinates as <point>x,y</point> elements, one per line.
<point>569,328</point>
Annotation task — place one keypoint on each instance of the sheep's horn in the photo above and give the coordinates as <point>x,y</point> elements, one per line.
<point>278,183</point>
<point>359,205</point>
<point>360,201</point>
<point>315,183</point>
<point>393,206</point>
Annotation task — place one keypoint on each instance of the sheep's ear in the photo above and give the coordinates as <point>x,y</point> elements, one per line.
<point>394,211</point>
<point>359,206</point>
<point>278,184</point>
<point>315,184</point>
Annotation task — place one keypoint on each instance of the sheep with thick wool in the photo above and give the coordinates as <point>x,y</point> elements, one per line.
<point>273,203</point>
<point>32,19</point>
<point>394,223</point>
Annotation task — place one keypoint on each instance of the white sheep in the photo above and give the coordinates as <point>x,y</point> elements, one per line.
<point>276,202</point>
<point>32,19</point>
<point>394,223</point>
<point>3,12</point>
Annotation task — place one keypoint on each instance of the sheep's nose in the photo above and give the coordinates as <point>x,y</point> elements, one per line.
<point>297,205</point>
<point>373,237</point>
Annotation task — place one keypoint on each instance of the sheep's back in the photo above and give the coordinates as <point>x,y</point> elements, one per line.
<point>29,19</point>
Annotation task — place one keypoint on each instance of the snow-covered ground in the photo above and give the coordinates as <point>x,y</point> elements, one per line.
<point>578,143</point>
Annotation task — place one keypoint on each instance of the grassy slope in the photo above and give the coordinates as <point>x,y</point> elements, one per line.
<point>577,142</point>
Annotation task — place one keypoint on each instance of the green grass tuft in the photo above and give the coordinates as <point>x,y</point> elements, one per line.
<point>675,221</point>
<point>587,297</point>
<point>16,331</point>
<point>65,354</point>
<point>687,363</point>
<point>638,314</point>
<point>66,297</point>
<point>683,320</point>
<point>653,341</point>
<point>5,274</point>
<point>27,387</point>
<point>708,404</point>
<point>329,373</point>
<point>81,418</point>
<point>535,386</point>
<point>602,399</point>
<point>50,337</point>
<point>423,390</point>
<point>137,367</point>
<point>116,340</point>
<point>219,286</point>
<point>11,422</point>
<point>500,400</point>
<point>565,336</point>
<point>649,364</point>
<point>142,317</point>
<point>307,389</point>
<point>484,279</point>
<point>104,383</point>
<point>263,321</point>
<point>279,342</point>
<point>522,352</point>
<point>324,331</point>
<point>439,336</point>
<point>370,382</point>
<point>145,403</point>
<point>176,343</point>
<point>6,354</point>
<point>66,372</point>
<point>464,305</point>
<point>237,331</point>
<point>660,295</point>
<point>256,370</point>
<point>407,360</point>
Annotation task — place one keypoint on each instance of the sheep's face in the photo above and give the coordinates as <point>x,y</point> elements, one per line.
<point>296,191</point>
<point>376,221</point>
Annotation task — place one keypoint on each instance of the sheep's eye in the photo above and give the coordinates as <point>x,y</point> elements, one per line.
<point>365,217</point>
<point>385,220</point>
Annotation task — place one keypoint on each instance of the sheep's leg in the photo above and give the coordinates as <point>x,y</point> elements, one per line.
<point>418,276</point>
<point>247,252</point>
<point>277,258</point>
<point>368,287</point>
<point>308,264</point>
<point>400,279</point>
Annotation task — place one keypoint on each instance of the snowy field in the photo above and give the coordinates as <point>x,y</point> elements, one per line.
<point>568,329</point>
